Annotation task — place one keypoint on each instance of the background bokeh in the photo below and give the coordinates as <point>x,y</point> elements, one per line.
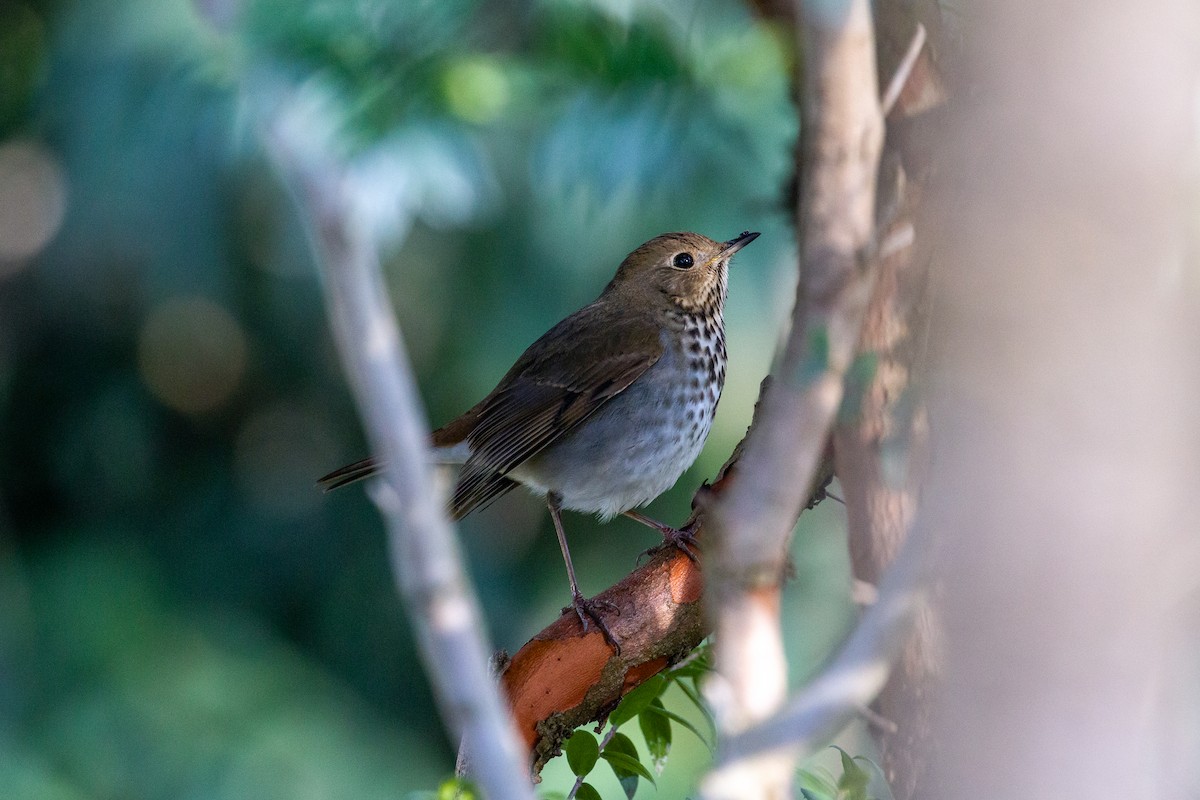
<point>182,613</point>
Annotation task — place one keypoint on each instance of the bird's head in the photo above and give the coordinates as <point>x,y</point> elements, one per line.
<point>685,270</point>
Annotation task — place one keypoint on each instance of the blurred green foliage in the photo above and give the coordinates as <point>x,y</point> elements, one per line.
<point>182,615</point>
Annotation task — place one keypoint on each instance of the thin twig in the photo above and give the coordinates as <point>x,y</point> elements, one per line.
<point>863,593</point>
<point>897,240</point>
<point>877,720</point>
<point>426,562</point>
<point>903,71</point>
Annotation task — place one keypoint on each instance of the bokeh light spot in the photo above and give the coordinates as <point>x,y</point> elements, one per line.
<point>33,198</point>
<point>191,354</point>
<point>476,89</point>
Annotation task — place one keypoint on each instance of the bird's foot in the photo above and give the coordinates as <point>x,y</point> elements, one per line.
<point>682,539</point>
<point>590,611</point>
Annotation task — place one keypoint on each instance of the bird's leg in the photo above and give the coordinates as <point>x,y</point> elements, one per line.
<point>584,607</point>
<point>682,539</point>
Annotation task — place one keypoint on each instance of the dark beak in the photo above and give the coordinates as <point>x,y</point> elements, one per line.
<point>738,242</point>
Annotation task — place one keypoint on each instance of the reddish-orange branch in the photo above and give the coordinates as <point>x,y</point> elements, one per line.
<point>563,678</point>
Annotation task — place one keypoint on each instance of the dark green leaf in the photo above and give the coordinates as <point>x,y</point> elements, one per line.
<point>626,766</point>
<point>582,752</point>
<point>637,700</point>
<point>657,709</point>
<point>622,756</point>
<point>656,728</point>
<point>809,794</point>
<point>587,792</point>
<point>620,743</point>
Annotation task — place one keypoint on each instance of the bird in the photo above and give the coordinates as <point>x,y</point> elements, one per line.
<point>607,409</point>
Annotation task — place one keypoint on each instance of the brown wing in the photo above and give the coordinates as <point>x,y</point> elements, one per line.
<point>562,379</point>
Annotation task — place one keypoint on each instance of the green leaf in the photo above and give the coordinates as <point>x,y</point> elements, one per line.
<point>587,792</point>
<point>809,794</point>
<point>878,769</point>
<point>627,770</point>
<point>457,789</point>
<point>620,743</point>
<point>622,756</point>
<point>853,783</point>
<point>637,700</point>
<point>657,731</point>
<point>582,752</point>
<point>879,774</point>
<point>817,784</point>
<point>656,708</point>
<point>694,696</point>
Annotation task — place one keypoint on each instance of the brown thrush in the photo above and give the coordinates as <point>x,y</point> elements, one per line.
<point>606,410</point>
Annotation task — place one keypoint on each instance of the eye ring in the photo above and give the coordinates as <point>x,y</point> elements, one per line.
<point>682,261</point>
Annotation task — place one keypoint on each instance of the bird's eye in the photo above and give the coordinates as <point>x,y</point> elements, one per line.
<point>683,260</point>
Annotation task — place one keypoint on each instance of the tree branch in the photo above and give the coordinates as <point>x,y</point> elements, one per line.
<point>751,525</point>
<point>852,680</point>
<point>425,558</point>
<point>559,681</point>
<point>881,437</point>
<point>562,679</point>
<point>426,563</point>
<point>903,71</point>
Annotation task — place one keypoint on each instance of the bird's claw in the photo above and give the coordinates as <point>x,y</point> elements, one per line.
<point>591,609</point>
<point>682,539</point>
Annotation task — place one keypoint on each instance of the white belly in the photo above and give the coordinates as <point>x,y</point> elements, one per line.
<point>636,446</point>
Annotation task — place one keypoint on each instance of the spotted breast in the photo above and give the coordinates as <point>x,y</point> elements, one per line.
<point>638,444</point>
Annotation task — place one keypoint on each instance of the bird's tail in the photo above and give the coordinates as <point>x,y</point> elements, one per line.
<point>351,473</point>
<point>360,470</point>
